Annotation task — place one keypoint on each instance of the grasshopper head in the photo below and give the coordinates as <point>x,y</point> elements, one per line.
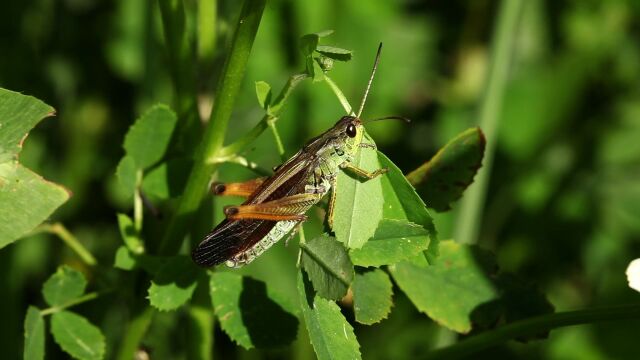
<point>350,132</point>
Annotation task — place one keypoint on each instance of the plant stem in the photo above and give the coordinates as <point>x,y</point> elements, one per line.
<point>340,95</point>
<point>71,241</point>
<point>534,325</point>
<point>226,92</point>
<point>489,116</point>
<point>271,122</point>
<point>80,300</point>
<point>134,333</point>
<point>137,204</point>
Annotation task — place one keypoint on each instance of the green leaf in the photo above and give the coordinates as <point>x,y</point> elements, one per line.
<point>77,336</point>
<point>27,199</point>
<point>124,259</point>
<point>308,44</point>
<point>148,138</point>
<point>168,179</point>
<point>442,180</point>
<point>66,284</point>
<point>394,240</point>
<point>126,173</point>
<point>251,314</point>
<point>328,265</point>
<point>129,234</point>
<point>335,53</point>
<point>33,334</point>
<point>331,334</point>
<point>402,203</point>
<point>174,283</point>
<point>263,91</point>
<point>359,203</point>
<point>18,115</point>
<point>372,296</point>
<point>452,288</point>
<point>318,72</point>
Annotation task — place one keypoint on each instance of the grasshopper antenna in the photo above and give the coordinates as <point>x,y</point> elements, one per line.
<point>373,73</point>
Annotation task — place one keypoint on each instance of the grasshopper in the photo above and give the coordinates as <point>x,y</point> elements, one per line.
<point>277,204</point>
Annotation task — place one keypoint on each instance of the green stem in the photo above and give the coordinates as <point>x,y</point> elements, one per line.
<point>532,326</point>
<point>340,95</point>
<point>71,241</point>
<point>181,58</point>
<point>276,136</point>
<point>226,92</point>
<point>80,300</point>
<point>137,204</point>
<point>134,333</point>
<point>502,53</point>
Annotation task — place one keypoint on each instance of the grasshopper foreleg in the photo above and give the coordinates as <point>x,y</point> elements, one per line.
<point>361,172</point>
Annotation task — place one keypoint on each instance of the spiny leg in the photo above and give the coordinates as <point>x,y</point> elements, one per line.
<point>243,189</point>
<point>363,173</point>
<point>287,208</point>
<point>332,202</point>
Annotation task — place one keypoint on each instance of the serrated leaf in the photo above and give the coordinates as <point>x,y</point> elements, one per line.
<point>33,334</point>
<point>401,202</point>
<point>129,234</point>
<point>148,138</point>
<point>263,92</point>
<point>331,335</point>
<point>66,284</point>
<point>250,314</point>
<point>335,53</point>
<point>394,240</point>
<point>77,336</point>
<point>174,283</point>
<point>359,203</point>
<point>452,288</point>
<point>328,265</point>
<point>168,179</point>
<point>372,296</point>
<point>126,174</point>
<point>27,199</point>
<point>442,180</point>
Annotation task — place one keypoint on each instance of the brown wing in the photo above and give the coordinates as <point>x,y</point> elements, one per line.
<point>233,237</point>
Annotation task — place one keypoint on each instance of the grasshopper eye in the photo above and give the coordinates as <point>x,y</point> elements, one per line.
<point>351,130</point>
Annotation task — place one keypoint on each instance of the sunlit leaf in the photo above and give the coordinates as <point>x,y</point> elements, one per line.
<point>27,199</point>
<point>250,314</point>
<point>263,91</point>
<point>328,265</point>
<point>359,203</point>
<point>331,334</point>
<point>77,336</point>
<point>452,288</point>
<point>402,203</point>
<point>442,180</point>
<point>66,284</point>
<point>33,334</point>
<point>174,283</point>
<point>394,240</point>
<point>372,296</point>
<point>148,138</point>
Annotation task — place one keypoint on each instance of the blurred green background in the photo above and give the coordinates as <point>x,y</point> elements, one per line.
<point>563,206</point>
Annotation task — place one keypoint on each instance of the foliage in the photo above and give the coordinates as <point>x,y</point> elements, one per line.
<point>547,196</point>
